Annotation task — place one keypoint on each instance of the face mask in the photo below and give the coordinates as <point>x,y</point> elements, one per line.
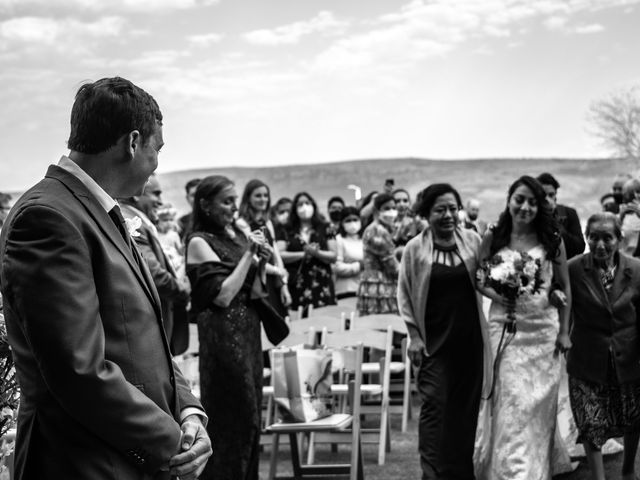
<point>352,227</point>
<point>305,212</point>
<point>618,198</point>
<point>335,215</point>
<point>282,218</point>
<point>388,216</point>
<point>611,207</point>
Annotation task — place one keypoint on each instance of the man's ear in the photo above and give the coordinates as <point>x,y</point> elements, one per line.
<point>133,142</point>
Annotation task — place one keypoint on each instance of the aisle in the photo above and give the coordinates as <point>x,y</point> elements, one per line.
<point>402,463</point>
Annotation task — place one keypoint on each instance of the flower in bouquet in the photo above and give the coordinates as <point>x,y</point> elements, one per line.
<point>511,274</point>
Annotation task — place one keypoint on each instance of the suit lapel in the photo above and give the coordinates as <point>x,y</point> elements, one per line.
<point>104,222</point>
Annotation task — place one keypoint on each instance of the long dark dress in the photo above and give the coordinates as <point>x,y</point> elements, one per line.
<point>310,279</point>
<point>450,379</point>
<point>230,362</point>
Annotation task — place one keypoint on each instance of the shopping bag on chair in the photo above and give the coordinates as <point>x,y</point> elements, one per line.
<point>302,383</point>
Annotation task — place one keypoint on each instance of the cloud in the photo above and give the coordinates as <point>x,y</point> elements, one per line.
<point>49,31</point>
<point>322,23</point>
<point>421,29</point>
<point>588,29</point>
<point>205,39</point>
<point>44,7</point>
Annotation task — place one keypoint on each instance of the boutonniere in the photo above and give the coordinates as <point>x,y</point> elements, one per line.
<point>133,224</point>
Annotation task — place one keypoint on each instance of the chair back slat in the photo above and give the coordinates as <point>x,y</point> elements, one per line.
<point>380,322</point>
<point>332,310</point>
<point>331,323</point>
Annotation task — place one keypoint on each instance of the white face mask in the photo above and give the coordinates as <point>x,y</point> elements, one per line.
<point>388,216</point>
<point>352,227</point>
<point>305,212</point>
<point>283,218</point>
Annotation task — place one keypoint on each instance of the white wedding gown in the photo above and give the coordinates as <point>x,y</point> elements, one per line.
<point>518,438</point>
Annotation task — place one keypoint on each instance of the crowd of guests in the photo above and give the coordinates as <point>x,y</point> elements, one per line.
<point>100,280</point>
<point>482,416</point>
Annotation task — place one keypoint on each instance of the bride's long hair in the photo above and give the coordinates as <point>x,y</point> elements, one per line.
<point>545,224</point>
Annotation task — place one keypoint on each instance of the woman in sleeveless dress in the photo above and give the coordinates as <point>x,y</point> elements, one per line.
<point>519,440</point>
<point>222,264</point>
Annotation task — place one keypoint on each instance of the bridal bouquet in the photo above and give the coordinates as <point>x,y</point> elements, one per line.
<point>511,274</point>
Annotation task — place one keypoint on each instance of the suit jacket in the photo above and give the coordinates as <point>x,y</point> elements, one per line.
<point>604,323</point>
<point>571,230</point>
<point>164,278</point>
<point>100,395</point>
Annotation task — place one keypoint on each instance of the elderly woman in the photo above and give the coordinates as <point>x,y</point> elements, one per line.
<point>604,362</point>
<point>443,312</point>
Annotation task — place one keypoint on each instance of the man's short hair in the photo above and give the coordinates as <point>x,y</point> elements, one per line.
<point>547,179</point>
<point>194,182</point>
<point>105,110</point>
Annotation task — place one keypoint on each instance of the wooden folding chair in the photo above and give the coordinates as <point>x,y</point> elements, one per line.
<point>382,322</point>
<point>337,424</point>
<point>381,342</point>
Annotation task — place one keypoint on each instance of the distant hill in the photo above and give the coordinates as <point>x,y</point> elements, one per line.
<point>582,182</point>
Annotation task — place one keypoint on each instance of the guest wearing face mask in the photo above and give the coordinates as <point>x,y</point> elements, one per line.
<point>378,285</point>
<point>308,249</point>
<point>334,207</point>
<point>279,214</point>
<point>349,253</point>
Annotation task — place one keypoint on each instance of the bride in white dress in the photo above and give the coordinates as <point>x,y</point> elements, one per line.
<point>517,434</point>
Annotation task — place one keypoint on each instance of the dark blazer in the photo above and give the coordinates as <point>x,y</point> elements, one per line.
<point>165,280</point>
<point>571,230</point>
<point>604,321</point>
<point>100,394</point>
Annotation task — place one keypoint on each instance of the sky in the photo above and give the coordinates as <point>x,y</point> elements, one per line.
<point>257,83</point>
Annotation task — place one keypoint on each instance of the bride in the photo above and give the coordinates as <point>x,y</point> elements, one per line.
<point>517,438</point>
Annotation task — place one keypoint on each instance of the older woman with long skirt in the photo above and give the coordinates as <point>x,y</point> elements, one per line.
<point>604,362</point>
<point>438,301</point>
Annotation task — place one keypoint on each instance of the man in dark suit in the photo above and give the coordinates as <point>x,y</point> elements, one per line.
<point>100,395</point>
<point>143,210</point>
<point>570,228</point>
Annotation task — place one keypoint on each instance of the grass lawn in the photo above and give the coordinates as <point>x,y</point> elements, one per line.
<point>402,462</point>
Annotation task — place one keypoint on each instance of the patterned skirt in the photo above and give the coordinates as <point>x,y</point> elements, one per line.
<point>377,294</point>
<point>604,411</point>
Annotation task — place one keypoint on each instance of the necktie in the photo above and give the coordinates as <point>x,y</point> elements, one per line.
<point>118,219</point>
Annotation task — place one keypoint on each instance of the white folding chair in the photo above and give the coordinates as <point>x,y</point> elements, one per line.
<point>337,424</point>
<point>371,390</point>
<point>382,322</point>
